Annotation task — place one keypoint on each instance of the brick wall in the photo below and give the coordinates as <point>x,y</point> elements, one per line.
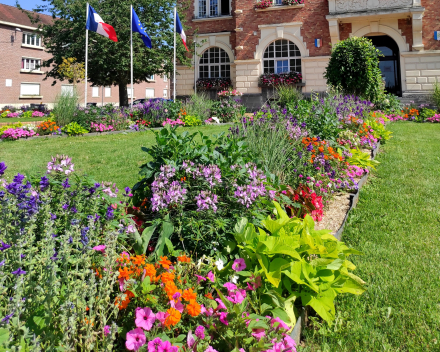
<point>405,25</point>
<point>12,52</point>
<point>344,30</point>
<point>431,23</point>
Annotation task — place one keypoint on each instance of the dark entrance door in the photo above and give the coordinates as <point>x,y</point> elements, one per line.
<point>389,63</point>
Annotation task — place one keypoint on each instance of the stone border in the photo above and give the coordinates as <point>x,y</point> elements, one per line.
<point>354,198</point>
<point>112,132</point>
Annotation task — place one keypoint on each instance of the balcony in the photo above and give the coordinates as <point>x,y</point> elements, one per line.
<point>211,18</point>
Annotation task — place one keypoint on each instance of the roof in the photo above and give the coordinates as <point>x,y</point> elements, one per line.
<point>14,15</point>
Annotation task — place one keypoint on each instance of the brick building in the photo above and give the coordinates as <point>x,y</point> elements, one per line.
<point>21,80</point>
<point>241,42</point>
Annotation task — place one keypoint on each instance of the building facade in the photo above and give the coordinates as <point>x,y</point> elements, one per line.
<point>241,42</point>
<point>22,81</point>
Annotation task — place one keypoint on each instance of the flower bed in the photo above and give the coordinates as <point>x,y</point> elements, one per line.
<point>275,79</point>
<point>213,83</point>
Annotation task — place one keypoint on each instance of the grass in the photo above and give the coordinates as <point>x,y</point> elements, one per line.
<point>114,158</point>
<point>397,226</point>
<point>21,119</point>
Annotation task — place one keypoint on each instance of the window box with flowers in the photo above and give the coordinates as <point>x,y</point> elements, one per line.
<point>275,79</point>
<point>213,83</point>
<point>265,5</point>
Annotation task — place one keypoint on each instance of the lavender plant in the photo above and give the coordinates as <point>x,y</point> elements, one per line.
<point>59,243</point>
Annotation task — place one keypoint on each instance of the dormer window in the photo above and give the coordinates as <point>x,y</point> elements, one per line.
<point>212,8</point>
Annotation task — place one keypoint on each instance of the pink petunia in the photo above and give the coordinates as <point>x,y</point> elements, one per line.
<point>210,349</point>
<point>145,318</point>
<point>190,340</point>
<point>211,276</point>
<point>161,316</point>
<point>221,305</point>
<point>100,248</point>
<point>258,333</point>
<point>239,264</point>
<point>200,278</point>
<point>230,286</point>
<point>281,325</point>
<point>177,305</point>
<point>135,339</point>
<point>223,316</point>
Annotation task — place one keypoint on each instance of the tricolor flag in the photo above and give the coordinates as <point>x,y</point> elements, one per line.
<point>179,29</point>
<point>137,26</point>
<point>96,24</point>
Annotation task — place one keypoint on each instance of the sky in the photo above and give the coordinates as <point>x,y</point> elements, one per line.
<point>26,4</point>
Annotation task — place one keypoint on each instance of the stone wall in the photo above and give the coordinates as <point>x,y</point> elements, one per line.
<point>314,68</point>
<point>421,70</point>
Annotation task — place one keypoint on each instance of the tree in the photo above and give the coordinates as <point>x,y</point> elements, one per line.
<point>72,70</point>
<point>109,62</point>
<point>354,68</point>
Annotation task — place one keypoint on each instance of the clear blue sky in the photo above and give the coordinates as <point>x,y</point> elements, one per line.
<point>26,4</point>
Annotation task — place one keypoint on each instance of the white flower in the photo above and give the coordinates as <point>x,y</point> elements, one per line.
<point>234,279</point>
<point>220,264</point>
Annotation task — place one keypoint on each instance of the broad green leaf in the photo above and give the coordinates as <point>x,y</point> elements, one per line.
<point>166,232</point>
<point>4,335</point>
<point>275,268</point>
<point>146,236</point>
<point>335,265</point>
<point>282,314</point>
<point>322,304</point>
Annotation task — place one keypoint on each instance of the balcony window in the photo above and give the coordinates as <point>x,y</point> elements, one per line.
<point>282,56</point>
<point>31,39</point>
<point>214,63</point>
<point>30,64</point>
<point>29,89</point>
<point>212,8</point>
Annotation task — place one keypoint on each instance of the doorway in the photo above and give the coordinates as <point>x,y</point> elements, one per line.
<point>389,63</point>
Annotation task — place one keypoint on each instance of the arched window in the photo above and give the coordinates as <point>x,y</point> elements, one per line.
<point>282,56</point>
<point>214,63</point>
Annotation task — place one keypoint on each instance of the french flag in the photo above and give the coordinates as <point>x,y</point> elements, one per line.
<point>179,29</point>
<point>96,24</point>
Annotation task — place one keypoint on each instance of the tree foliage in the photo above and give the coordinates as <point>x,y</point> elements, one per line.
<point>109,62</point>
<point>354,68</point>
<point>72,70</point>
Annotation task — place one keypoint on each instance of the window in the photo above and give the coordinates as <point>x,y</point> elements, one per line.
<point>282,56</point>
<point>107,92</point>
<point>212,8</point>
<point>30,64</point>
<point>214,63</point>
<point>278,2</point>
<point>95,92</point>
<point>149,93</point>
<point>165,78</point>
<point>31,39</point>
<point>129,92</point>
<point>30,89</point>
<point>165,93</point>
<point>67,90</point>
<point>150,78</point>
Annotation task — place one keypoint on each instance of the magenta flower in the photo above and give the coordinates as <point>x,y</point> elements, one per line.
<point>230,286</point>
<point>100,248</point>
<point>210,349</point>
<point>135,339</point>
<point>145,318</point>
<point>258,333</point>
<point>190,340</point>
<point>166,346</point>
<point>239,264</point>
<point>154,344</point>
<point>177,305</point>
<point>200,278</point>
<point>200,332</point>
<point>281,325</point>
<point>106,330</point>
<point>211,276</point>
<point>223,316</point>
<point>221,305</point>
<point>176,295</point>
<point>161,316</point>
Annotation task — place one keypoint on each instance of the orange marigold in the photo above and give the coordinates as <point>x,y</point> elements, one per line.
<point>123,303</point>
<point>165,262</point>
<point>150,271</point>
<point>208,295</point>
<point>138,260</point>
<point>173,317</point>
<point>193,308</point>
<point>167,277</point>
<point>184,259</point>
<point>189,295</point>
<point>170,288</point>
<point>125,273</point>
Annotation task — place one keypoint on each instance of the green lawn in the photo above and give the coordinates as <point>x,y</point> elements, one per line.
<point>113,158</point>
<point>397,226</point>
<point>22,119</point>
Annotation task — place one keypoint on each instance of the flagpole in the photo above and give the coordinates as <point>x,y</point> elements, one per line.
<point>174,75</point>
<point>195,65</point>
<point>87,56</point>
<point>131,51</point>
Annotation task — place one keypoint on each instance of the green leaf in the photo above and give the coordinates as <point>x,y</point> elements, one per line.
<point>282,314</point>
<point>274,274</point>
<point>146,236</point>
<point>4,335</point>
<point>166,231</point>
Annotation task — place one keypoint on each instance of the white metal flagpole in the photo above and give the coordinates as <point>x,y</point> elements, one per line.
<point>131,51</point>
<point>87,56</point>
<point>195,65</point>
<point>174,75</point>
